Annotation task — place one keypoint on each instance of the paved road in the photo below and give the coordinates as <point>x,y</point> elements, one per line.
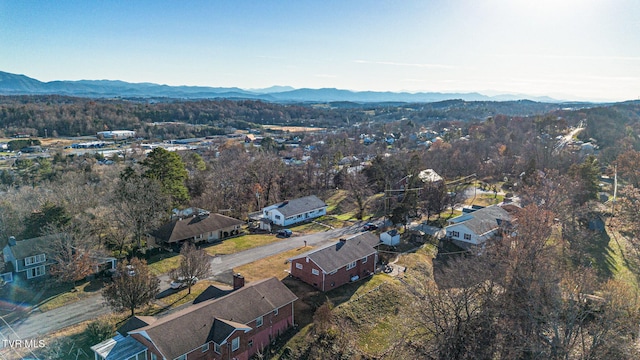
<point>38,324</point>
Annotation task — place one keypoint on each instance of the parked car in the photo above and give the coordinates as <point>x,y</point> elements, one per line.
<point>369,227</point>
<point>285,233</point>
<point>182,282</point>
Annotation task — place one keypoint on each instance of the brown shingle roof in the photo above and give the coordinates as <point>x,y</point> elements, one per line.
<point>181,229</point>
<point>185,330</point>
<point>135,323</point>
<point>339,254</point>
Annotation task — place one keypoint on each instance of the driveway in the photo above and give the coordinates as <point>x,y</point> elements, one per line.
<point>37,324</point>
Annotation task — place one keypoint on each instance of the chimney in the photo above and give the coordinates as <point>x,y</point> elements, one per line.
<point>238,281</point>
<point>12,240</point>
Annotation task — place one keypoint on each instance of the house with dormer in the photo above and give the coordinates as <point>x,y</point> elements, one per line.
<point>28,258</point>
<point>235,326</point>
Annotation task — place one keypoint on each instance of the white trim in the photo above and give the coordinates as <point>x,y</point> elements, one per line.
<point>39,271</point>
<point>352,265</point>
<point>315,272</point>
<point>235,340</point>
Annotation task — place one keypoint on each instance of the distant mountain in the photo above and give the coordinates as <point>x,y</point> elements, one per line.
<point>13,84</point>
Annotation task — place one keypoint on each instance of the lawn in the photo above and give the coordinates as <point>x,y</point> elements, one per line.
<point>182,296</point>
<point>163,263</point>
<point>59,297</point>
<point>275,265</point>
<point>241,243</point>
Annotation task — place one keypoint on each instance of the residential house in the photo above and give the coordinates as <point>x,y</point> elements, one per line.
<point>339,263</point>
<point>475,227</point>
<point>198,227</point>
<point>234,326</point>
<point>28,257</point>
<point>32,258</point>
<point>6,275</point>
<point>294,211</point>
<point>425,176</point>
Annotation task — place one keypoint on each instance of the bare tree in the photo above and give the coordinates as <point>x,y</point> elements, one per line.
<point>133,286</point>
<point>74,250</point>
<point>139,205</point>
<point>194,264</point>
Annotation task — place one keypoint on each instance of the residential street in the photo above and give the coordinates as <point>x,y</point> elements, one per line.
<point>38,323</point>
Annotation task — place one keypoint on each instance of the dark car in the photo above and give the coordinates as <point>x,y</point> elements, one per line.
<point>369,227</point>
<point>285,233</point>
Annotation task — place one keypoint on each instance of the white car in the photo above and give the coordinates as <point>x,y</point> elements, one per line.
<point>182,282</point>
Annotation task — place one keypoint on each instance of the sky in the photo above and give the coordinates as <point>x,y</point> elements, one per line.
<point>566,49</point>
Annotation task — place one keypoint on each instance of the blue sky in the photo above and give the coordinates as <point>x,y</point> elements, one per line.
<point>568,49</point>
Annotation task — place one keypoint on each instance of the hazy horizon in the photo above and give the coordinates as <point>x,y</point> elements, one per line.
<point>568,50</point>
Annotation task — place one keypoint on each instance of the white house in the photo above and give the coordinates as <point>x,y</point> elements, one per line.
<point>294,211</point>
<point>475,227</point>
<point>391,237</point>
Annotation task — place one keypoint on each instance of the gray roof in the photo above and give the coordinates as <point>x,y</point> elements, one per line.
<point>340,254</point>
<point>185,330</point>
<point>30,247</point>
<point>301,205</point>
<point>485,219</point>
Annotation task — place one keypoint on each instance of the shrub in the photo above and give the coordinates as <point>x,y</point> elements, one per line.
<point>99,330</point>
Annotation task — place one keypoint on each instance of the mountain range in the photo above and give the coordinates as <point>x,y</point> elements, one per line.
<point>15,84</point>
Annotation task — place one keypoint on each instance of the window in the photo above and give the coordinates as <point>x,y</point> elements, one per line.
<point>216,348</point>
<point>205,347</point>
<point>235,344</point>
<point>455,234</point>
<point>467,236</point>
<point>259,321</point>
<point>298,266</point>
<point>35,272</point>
<point>7,277</point>
<point>142,355</point>
<point>34,259</point>
<point>364,260</point>
<point>154,356</point>
<point>315,272</point>
<point>277,217</point>
<point>352,265</point>
<point>182,357</point>
<point>250,344</point>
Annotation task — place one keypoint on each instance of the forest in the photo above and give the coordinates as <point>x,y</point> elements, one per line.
<point>524,298</point>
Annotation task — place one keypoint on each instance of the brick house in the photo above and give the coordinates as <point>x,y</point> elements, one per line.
<point>234,326</point>
<point>339,263</point>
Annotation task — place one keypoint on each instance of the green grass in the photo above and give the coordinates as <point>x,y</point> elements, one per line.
<point>241,243</point>
<point>163,263</point>
<point>275,265</point>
